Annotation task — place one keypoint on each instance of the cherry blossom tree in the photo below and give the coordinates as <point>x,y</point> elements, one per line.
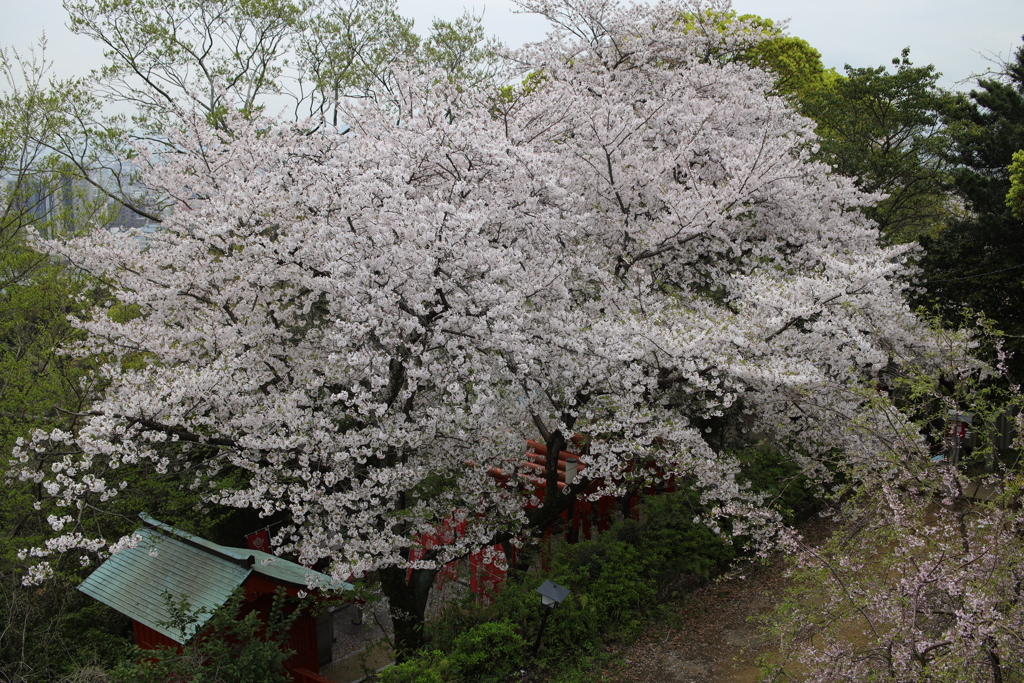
<point>353,330</point>
<point>914,588</point>
<point>922,579</point>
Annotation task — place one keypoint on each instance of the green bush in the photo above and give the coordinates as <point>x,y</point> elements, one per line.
<point>486,653</point>
<point>786,489</point>
<point>610,585</point>
<point>673,544</point>
<point>616,581</point>
<point>429,667</point>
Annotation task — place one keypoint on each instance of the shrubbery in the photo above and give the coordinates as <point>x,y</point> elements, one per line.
<point>779,479</point>
<point>486,653</point>
<point>618,582</point>
<point>234,647</point>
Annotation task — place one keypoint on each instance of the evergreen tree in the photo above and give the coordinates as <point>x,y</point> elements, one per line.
<point>883,128</point>
<point>1015,197</point>
<point>976,265</point>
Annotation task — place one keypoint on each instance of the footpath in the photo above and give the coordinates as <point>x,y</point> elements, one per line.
<point>714,636</point>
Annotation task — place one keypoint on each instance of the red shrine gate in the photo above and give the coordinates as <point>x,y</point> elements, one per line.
<point>488,566</point>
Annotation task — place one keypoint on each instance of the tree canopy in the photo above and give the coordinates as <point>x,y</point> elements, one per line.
<point>1015,197</point>
<point>884,130</point>
<point>353,330</point>
<point>975,265</point>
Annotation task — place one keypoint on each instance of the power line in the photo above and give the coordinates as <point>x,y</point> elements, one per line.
<point>973,277</point>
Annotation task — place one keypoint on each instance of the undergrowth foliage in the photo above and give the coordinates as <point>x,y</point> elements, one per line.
<point>232,647</point>
<point>620,581</point>
<point>924,579</point>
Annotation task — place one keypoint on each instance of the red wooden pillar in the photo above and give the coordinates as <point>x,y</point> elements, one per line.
<point>605,505</point>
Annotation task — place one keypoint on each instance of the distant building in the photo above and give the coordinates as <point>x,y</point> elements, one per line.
<point>57,203</point>
<point>53,204</point>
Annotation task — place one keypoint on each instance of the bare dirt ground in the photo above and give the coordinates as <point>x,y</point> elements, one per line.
<point>712,638</point>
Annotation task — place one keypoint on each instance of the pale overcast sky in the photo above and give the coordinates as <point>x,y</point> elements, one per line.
<point>952,34</point>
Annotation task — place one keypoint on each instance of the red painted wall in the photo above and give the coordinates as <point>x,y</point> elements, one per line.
<point>258,598</point>
<point>148,639</point>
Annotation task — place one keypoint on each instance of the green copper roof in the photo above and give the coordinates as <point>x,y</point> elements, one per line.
<point>270,566</point>
<point>135,582</point>
<point>168,561</point>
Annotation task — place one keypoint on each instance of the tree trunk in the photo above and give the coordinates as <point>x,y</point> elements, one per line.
<point>408,606</point>
<point>555,443</point>
<point>993,660</point>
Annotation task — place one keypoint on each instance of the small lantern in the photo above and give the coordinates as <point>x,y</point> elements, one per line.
<point>571,467</point>
<point>551,594</point>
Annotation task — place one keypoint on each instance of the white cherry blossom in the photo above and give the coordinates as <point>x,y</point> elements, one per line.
<point>363,325</point>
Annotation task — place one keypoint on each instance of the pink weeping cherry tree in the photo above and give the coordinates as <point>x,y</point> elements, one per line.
<point>923,576</point>
<point>350,330</point>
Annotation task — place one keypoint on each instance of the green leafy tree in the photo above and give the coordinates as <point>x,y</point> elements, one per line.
<point>45,633</point>
<point>976,265</point>
<point>190,50</point>
<point>464,53</point>
<point>50,632</point>
<point>346,49</point>
<point>796,65</point>
<point>884,128</point>
<point>1015,197</point>
<point>161,55</point>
